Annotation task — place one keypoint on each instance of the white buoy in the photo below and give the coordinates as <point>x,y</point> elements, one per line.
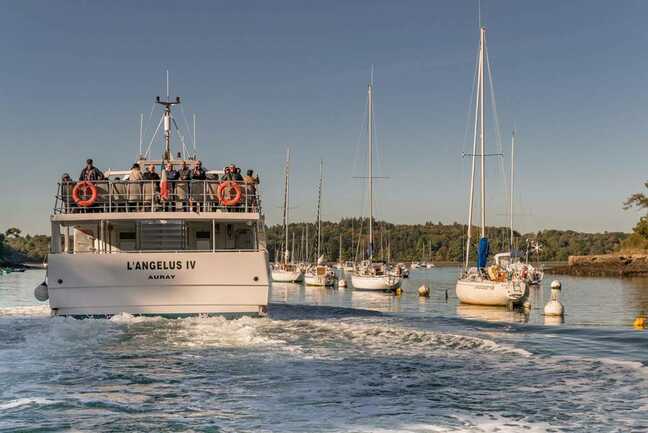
<point>342,283</point>
<point>41,293</point>
<point>423,291</point>
<point>554,307</point>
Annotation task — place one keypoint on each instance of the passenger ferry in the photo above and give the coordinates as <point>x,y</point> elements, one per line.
<point>158,247</point>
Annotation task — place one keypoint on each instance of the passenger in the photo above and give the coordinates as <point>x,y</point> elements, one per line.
<point>66,191</point>
<point>150,173</point>
<point>198,173</point>
<point>251,182</point>
<point>198,188</point>
<point>134,188</point>
<point>237,174</point>
<point>182,187</point>
<point>149,188</point>
<point>172,177</point>
<point>90,172</point>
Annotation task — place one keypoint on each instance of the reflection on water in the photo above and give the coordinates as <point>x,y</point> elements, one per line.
<point>491,314</point>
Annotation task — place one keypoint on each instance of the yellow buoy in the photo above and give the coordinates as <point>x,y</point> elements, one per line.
<point>398,291</point>
<point>423,291</point>
<point>640,322</point>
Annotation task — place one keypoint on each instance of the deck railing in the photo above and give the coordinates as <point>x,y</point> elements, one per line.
<point>145,196</point>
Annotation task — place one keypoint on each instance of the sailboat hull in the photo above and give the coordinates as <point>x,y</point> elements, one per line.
<point>282,276</point>
<point>374,282</point>
<point>494,293</point>
<point>319,280</point>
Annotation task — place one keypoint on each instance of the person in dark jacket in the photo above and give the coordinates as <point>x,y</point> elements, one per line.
<point>150,173</point>
<point>198,173</point>
<point>90,172</point>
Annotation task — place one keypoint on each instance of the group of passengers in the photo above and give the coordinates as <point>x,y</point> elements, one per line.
<point>179,193</point>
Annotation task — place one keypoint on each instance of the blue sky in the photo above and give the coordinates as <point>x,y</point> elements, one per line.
<point>570,76</point>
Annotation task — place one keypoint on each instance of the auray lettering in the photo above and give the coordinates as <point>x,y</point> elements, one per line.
<point>160,265</point>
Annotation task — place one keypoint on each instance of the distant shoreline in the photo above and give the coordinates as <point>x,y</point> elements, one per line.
<point>604,265</point>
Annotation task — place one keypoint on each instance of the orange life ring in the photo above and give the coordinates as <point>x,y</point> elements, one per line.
<point>229,185</point>
<point>84,185</point>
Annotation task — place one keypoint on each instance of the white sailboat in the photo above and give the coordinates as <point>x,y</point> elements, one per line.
<point>285,271</point>
<point>320,274</point>
<point>481,285</point>
<point>370,275</point>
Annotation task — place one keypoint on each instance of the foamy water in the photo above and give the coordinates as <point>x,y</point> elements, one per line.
<point>318,368</point>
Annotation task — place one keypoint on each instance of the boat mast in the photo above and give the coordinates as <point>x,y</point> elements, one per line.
<point>167,104</point>
<point>319,216</point>
<point>478,100</point>
<point>340,253</point>
<point>370,136</point>
<point>512,185</point>
<point>482,47</point>
<point>285,210</point>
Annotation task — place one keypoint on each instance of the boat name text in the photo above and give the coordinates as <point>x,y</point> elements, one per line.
<point>161,265</point>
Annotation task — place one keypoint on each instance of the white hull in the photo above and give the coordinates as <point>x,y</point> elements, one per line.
<point>158,283</point>
<point>484,292</point>
<point>319,280</point>
<point>283,276</point>
<point>374,282</point>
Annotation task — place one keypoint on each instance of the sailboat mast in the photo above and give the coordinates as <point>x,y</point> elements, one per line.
<point>319,215</point>
<point>512,186</point>
<point>482,139</point>
<point>285,210</point>
<point>471,201</point>
<point>340,253</point>
<point>370,136</point>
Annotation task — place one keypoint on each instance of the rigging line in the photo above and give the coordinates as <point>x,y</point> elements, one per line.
<point>186,122</point>
<point>148,122</point>
<point>148,149</point>
<point>182,140</point>
<point>498,134</point>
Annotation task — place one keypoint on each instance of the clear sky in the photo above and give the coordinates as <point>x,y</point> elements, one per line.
<point>260,75</point>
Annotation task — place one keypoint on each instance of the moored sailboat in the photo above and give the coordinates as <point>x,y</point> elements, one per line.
<point>484,285</point>
<point>285,271</point>
<point>370,275</point>
<point>320,274</point>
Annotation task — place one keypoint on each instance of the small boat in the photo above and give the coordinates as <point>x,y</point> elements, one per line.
<point>285,271</point>
<point>370,275</point>
<point>482,285</point>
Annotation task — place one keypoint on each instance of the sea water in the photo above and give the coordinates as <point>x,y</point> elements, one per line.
<point>330,360</point>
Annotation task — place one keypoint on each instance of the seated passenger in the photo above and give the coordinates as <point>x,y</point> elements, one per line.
<point>237,174</point>
<point>90,172</point>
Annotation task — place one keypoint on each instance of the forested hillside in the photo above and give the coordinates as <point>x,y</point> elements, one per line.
<point>438,242</point>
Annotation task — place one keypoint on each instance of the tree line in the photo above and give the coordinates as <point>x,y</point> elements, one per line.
<point>16,248</point>
<point>430,241</point>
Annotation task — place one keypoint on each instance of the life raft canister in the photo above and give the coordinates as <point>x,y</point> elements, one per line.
<point>84,186</point>
<point>226,188</point>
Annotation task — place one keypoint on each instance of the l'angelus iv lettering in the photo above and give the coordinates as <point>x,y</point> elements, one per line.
<point>157,265</point>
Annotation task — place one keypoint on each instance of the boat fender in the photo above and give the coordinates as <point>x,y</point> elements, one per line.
<point>423,291</point>
<point>228,186</point>
<point>85,186</point>
<point>554,307</point>
<point>41,293</point>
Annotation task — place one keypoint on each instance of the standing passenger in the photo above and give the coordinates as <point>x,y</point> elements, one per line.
<point>134,188</point>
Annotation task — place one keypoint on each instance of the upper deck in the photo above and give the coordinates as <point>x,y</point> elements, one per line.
<point>123,199</point>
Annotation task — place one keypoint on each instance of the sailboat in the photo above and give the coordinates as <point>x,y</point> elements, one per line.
<point>320,274</point>
<point>370,275</point>
<point>285,271</point>
<point>482,285</point>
